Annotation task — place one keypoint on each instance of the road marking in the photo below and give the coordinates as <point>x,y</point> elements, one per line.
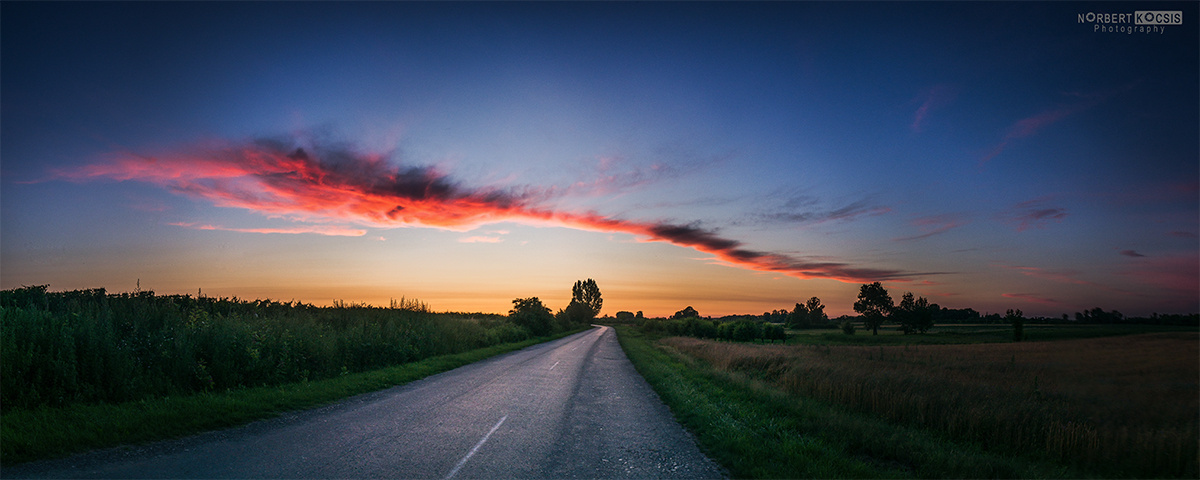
<point>476,449</point>
<point>555,365</point>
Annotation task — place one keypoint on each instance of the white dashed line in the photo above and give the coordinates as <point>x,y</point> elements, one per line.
<point>555,365</point>
<point>473,450</point>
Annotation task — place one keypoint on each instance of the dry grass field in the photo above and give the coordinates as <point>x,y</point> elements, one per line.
<point>1129,405</point>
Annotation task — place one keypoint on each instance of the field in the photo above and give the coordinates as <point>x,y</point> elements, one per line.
<point>88,369</point>
<point>1111,406</point>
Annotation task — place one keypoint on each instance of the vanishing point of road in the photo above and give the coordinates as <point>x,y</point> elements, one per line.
<point>570,408</point>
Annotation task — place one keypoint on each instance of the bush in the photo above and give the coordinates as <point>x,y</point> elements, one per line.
<point>847,327</point>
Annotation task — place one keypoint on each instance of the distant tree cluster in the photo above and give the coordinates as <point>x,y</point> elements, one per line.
<point>531,314</point>
<point>809,314</point>
<point>875,306</point>
<point>740,330</point>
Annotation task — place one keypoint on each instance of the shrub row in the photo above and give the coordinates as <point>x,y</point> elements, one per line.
<point>738,331</point>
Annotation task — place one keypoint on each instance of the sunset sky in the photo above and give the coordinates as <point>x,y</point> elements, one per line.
<point>737,158</point>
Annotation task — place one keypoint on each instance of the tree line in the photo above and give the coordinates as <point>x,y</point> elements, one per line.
<point>874,306</point>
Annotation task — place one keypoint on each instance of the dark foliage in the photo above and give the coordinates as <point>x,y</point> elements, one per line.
<point>89,346</point>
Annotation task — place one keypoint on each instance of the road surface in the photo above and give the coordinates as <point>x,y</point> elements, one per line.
<point>571,408</point>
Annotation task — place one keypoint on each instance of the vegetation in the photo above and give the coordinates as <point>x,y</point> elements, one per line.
<point>50,432</point>
<point>874,304</point>
<point>1018,324</point>
<point>1115,406</point>
<point>66,357</point>
<point>914,316</point>
<point>532,315</point>
<point>756,431</point>
<point>808,314</point>
<point>89,346</point>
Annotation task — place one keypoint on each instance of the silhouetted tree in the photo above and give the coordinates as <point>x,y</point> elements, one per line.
<point>587,293</point>
<point>531,314</point>
<point>914,315</point>
<point>1016,318</point>
<point>816,312</point>
<point>799,316</point>
<point>808,314</point>
<point>686,312</point>
<point>874,304</point>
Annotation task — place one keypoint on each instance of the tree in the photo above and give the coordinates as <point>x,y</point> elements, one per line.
<point>799,316</point>
<point>531,314</point>
<point>816,312</point>
<point>914,315</point>
<point>808,314</point>
<point>575,314</point>
<point>774,332</point>
<point>624,316</point>
<point>1017,319</point>
<point>587,293</point>
<point>686,312</point>
<point>874,304</point>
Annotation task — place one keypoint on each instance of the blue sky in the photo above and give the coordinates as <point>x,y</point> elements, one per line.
<point>986,155</point>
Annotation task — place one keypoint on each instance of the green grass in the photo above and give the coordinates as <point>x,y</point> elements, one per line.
<point>758,432</point>
<point>48,432</point>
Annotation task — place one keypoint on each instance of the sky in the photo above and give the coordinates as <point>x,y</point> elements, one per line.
<point>734,157</point>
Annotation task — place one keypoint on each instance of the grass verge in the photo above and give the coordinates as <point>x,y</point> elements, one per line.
<point>758,432</point>
<point>43,433</point>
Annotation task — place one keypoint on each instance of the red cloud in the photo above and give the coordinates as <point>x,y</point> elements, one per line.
<point>320,184</point>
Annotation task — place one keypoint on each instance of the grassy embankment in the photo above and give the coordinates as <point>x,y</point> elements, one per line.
<point>85,369</point>
<point>1110,407</point>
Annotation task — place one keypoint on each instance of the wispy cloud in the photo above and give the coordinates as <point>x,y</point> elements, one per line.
<point>1033,298</point>
<point>320,183</point>
<point>480,239</point>
<point>1131,253</point>
<point>805,209</point>
<point>317,229</point>
<point>932,99</point>
<point>1183,234</point>
<point>1175,273</point>
<point>1062,276</point>
<point>1034,213</point>
<point>934,224</point>
<point>1031,125</point>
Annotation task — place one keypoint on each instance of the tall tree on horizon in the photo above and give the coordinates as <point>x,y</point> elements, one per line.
<point>587,294</point>
<point>874,304</point>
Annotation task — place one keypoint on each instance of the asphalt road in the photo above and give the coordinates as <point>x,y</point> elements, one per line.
<point>571,408</point>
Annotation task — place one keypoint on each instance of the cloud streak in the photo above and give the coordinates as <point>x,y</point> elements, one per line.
<point>1031,125</point>
<point>1035,213</point>
<point>317,229</point>
<point>321,184</point>
<point>936,97</point>
<point>1033,298</point>
<point>933,225</point>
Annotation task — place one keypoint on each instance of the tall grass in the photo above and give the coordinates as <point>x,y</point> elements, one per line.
<point>1119,406</point>
<point>88,346</point>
